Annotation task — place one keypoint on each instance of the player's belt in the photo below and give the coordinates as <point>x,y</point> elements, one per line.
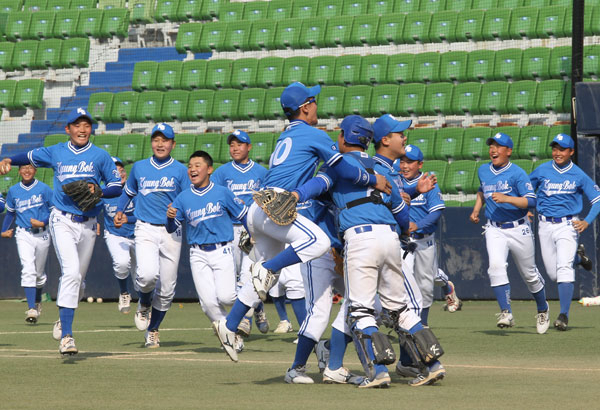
<point>368,228</point>
<point>508,225</point>
<point>150,223</point>
<point>555,220</point>
<point>209,246</point>
<point>416,235</point>
<point>36,230</point>
<point>75,218</point>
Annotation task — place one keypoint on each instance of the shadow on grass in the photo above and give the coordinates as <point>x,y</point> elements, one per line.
<point>67,359</point>
<point>501,332</point>
<point>272,380</point>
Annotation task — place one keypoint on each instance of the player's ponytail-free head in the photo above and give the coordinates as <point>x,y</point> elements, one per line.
<point>204,155</point>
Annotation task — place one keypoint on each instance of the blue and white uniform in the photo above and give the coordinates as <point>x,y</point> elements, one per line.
<point>120,241</point>
<point>209,213</point>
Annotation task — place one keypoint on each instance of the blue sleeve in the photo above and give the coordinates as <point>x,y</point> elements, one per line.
<point>124,200</point>
<point>179,205</point>
<point>20,159</point>
<point>354,174</point>
<point>531,202</point>
<point>9,204</point>
<point>428,224</point>
<point>40,157</point>
<point>402,219</point>
<point>217,176</point>
<point>172,225</point>
<point>523,184</point>
<point>591,190</point>
<point>8,220</point>
<point>326,148</point>
<point>235,206</point>
<point>131,186</point>
<point>399,208</point>
<point>313,187</point>
<point>535,181</point>
<point>593,214</point>
<point>48,196</point>
<point>112,191</point>
<point>411,191</point>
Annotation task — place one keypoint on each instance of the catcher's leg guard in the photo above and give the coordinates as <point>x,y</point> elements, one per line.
<point>362,340</point>
<point>408,346</point>
<point>422,347</point>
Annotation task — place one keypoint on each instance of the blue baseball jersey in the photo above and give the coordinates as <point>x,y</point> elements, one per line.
<point>71,163</point>
<point>33,201</point>
<point>156,186</point>
<point>324,213</point>
<point>241,179</point>
<point>110,210</point>
<point>297,154</point>
<point>2,203</point>
<point>559,190</point>
<point>424,204</point>
<point>509,180</point>
<point>209,213</point>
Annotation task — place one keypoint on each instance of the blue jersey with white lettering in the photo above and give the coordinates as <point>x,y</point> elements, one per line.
<point>559,190</point>
<point>110,210</point>
<point>71,163</point>
<point>241,179</point>
<point>156,186</point>
<point>209,213</point>
<point>33,201</point>
<point>424,204</point>
<point>2,203</point>
<point>509,180</point>
<point>296,156</point>
<point>324,213</point>
<point>368,213</point>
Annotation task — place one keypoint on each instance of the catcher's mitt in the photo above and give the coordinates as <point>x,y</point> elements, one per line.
<point>80,193</point>
<point>279,206</point>
<point>338,258</point>
<point>245,243</point>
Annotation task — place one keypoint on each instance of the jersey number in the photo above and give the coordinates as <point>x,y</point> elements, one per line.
<point>525,231</point>
<point>281,152</point>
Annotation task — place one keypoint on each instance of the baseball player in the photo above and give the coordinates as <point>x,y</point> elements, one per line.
<point>367,219</point>
<point>208,211</point>
<point>120,242</point>
<point>507,192</point>
<point>242,176</point>
<point>73,230</point>
<point>293,162</point>
<point>156,181</point>
<point>29,202</point>
<point>560,185</point>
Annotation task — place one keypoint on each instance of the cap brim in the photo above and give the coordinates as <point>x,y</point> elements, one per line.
<point>560,145</point>
<point>401,126</point>
<point>314,91</point>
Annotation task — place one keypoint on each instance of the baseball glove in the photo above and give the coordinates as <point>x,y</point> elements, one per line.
<point>80,193</point>
<point>279,206</point>
<point>245,243</point>
<point>339,261</point>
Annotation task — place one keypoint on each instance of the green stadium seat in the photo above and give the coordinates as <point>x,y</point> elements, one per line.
<point>443,26</point>
<point>212,144</point>
<point>231,12</point>
<point>427,67</point>
<point>525,164</point>
<point>508,64</point>
<point>8,89</point>
<point>466,98</point>
<point>321,70</point>
<point>200,105</point>
<point>272,108</point>
<point>550,96</point>
<point>449,142</point>
<point>536,63</point>
<point>6,55</point>
<point>252,101</point>
<point>304,9</point>
<point>461,177</point>
<point>437,168</point>
<point>330,102</point>
<point>9,6</point>
<point>522,97</point>
<point>407,6</point>
<point>459,5</point>
<point>90,23</point>
<point>100,106</point>
<point>453,66</point>
<point>551,22</point>
<point>364,31</point>
<point>269,72</point>
<point>533,143</point>
<point>29,94</point>
<point>381,7</point>
<point>109,143</point>
<point>295,69</point>
<point>469,26</point>
<point>416,27</point>
<point>244,72</point>
<point>41,25</point>
<point>142,11</point>
<point>424,138</point>
<point>497,24</point>
<point>189,10</point>
<point>218,74</point>
<point>17,26</point>
<point>433,6</point>
<point>175,105</point>
<point>411,98</point>
<point>49,52</point>
<point>558,129</point>
<point>213,36</point>
<point>8,180</point>
<point>34,6</point>
<point>330,8</point>
<point>185,145</point>
<point>46,175</point>
<point>279,10</point>
<point>75,52</point>
<point>480,65</point>
<point>384,100</point>
<point>339,31</point>
<point>54,139</point>
<point>591,60</point>
<point>513,132</point>
<point>262,147</point>
<point>237,36</point>
<point>475,143</point>
<point>262,35</point>
<point>149,107</point>
<point>355,7</point>
<point>523,22</point>
<point>313,32</point>
<point>513,4</point>
<point>484,4</point>
<point>390,29</point>
<point>594,21</point>
<point>347,70</point>
<point>24,55</point>
<point>255,10</point>
<point>83,4</point>
<point>225,105</point>
<point>65,24</point>
<point>438,99</point>
<point>358,100</point>
<point>374,69</point>
<point>193,74</point>
<point>124,106</point>
<point>287,34</point>
<point>211,8</point>
<point>115,23</point>
<point>169,75</point>
<point>111,4</point>
<point>188,37</point>
<point>131,147</point>
<point>144,76</point>
<point>493,97</point>
<point>560,62</point>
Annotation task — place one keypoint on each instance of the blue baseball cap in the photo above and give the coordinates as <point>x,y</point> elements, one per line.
<point>501,139</point>
<point>117,160</point>
<point>78,113</point>
<point>239,135</point>
<point>564,141</point>
<point>357,131</point>
<point>413,153</point>
<point>387,124</point>
<point>296,94</point>
<point>164,129</point>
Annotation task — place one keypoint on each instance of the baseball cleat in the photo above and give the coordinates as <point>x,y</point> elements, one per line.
<point>67,346</point>
<point>57,330</point>
<point>453,303</point>
<point>542,321</point>
<point>341,376</point>
<point>297,375</point>
<point>595,301</point>
<point>562,322</point>
<point>152,339</point>
<point>285,326</point>
<point>406,371</point>
<point>584,260</point>
<point>239,343</point>
<point>381,381</point>
<point>261,321</point>
<point>142,317</point>
<point>226,337</point>
<point>32,316</point>
<point>505,319</point>
<point>262,279</point>
<point>436,372</point>
<point>322,352</point>
<point>244,327</point>
<point>124,303</point>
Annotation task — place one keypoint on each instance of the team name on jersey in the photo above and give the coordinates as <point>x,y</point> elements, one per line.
<point>83,169</point>
<point>500,186</point>
<point>555,188</point>
<point>155,185</point>
<point>211,210</point>
<point>34,201</point>
<point>246,188</point>
<point>420,200</point>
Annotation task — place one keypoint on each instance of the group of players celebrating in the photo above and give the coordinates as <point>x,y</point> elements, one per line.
<point>359,226</point>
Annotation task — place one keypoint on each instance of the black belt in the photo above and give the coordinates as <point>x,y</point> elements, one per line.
<point>150,223</point>
<point>555,220</point>
<point>76,218</point>
<point>508,225</point>
<point>416,235</point>
<point>209,246</point>
<point>36,230</point>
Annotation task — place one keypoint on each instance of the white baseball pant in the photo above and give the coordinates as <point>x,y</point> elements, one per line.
<point>122,251</point>
<point>558,242</point>
<point>290,283</point>
<point>33,252</point>
<point>423,265</point>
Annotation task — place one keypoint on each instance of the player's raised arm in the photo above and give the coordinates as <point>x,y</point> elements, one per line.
<point>477,208</point>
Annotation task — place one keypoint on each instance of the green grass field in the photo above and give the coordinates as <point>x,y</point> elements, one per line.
<point>486,367</point>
